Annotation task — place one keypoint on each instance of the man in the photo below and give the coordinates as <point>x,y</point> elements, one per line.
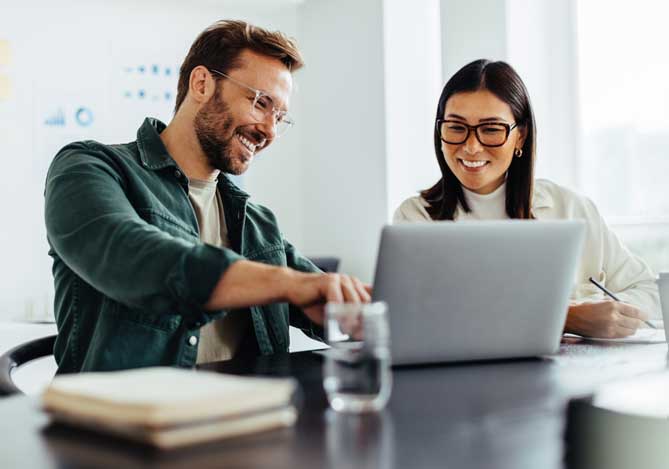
<point>158,258</point>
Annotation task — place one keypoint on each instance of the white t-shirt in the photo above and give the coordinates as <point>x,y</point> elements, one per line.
<point>220,338</point>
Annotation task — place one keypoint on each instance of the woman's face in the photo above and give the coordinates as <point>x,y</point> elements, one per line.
<point>479,168</point>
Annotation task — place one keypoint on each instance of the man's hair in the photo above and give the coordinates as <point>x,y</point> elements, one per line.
<point>220,45</point>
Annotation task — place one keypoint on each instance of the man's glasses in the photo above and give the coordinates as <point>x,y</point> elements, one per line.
<point>262,106</point>
<point>489,134</point>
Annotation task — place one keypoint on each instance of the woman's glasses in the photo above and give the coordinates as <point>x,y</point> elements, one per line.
<point>489,134</point>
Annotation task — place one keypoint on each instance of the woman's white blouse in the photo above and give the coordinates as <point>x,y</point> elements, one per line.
<point>604,258</point>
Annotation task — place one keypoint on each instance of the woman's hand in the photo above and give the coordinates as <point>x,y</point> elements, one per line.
<point>604,319</point>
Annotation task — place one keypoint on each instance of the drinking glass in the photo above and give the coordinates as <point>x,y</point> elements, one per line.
<point>356,374</point>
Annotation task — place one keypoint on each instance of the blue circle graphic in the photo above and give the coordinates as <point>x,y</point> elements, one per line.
<point>84,116</point>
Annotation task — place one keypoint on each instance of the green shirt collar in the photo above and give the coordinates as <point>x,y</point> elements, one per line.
<point>226,186</point>
<point>155,156</point>
<point>152,151</point>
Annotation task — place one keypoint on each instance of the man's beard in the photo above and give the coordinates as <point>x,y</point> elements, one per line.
<point>210,122</point>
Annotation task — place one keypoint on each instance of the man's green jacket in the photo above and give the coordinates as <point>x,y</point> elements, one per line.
<point>131,274</point>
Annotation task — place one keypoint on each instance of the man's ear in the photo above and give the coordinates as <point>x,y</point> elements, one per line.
<point>201,85</point>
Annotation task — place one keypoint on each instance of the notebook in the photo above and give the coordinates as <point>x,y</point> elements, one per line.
<point>169,407</point>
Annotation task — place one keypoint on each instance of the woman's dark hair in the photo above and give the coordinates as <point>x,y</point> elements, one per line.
<point>502,81</point>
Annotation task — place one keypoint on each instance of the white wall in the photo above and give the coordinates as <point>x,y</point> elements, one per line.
<point>541,47</point>
<point>412,69</point>
<point>472,29</point>
<point>368,96</point>
<point>536,37</point>
<point>341,105</point>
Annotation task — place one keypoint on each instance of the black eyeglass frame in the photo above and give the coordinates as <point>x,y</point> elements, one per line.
<point>507,127</point>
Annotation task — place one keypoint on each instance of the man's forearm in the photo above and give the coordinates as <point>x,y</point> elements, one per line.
<point>247,283</point>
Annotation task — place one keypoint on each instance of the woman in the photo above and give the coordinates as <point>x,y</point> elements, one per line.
<point>485,143</point>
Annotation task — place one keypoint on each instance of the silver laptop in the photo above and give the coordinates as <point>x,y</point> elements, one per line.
<point>476,290</point>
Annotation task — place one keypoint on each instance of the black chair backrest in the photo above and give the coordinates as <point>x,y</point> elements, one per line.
<point>326,264</point>
<point>20,355</point>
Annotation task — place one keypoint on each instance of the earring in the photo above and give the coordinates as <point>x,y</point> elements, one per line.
<point>518,152</point>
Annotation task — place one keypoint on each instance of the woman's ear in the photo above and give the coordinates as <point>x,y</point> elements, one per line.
<point>522,135</point>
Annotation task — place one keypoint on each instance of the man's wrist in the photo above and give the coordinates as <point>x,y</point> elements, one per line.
<point>285,279</point>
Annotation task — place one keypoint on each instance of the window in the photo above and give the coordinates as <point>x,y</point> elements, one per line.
<point>624,116</point>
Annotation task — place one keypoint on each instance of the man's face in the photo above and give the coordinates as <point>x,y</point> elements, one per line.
<point>228,134</point>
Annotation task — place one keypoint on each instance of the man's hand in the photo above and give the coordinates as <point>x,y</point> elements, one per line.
<point>248,283</point>
<point>604,319</point>
<point>312,291</point>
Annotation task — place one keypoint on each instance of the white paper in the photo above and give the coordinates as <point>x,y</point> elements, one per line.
<point>644,335</point>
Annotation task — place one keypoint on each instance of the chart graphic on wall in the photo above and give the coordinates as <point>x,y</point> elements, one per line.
<point>149,83</point>
<point>112,110</point>
<point>78,115</point>
<point>143,85</point>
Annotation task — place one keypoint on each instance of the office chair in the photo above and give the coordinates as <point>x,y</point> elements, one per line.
<point>20,355</point>
<point>326,264</point>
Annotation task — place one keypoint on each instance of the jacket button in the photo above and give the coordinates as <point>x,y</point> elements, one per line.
<point>192,340</point>
<point>177,174</point>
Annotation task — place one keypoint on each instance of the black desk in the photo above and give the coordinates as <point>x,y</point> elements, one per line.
<point>508,414</point>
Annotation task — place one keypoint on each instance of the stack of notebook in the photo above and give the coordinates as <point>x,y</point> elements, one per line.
<point>169,407</point>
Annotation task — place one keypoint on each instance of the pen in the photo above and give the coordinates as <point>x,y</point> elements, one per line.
<point>606,290</point>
